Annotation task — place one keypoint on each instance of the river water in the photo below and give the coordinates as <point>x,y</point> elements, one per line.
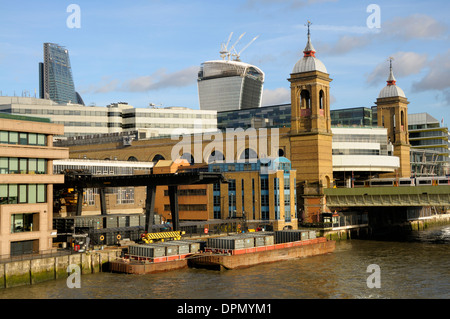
<point>416,267</point>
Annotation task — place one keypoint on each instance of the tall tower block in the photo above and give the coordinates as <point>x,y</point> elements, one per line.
<point>310,135</point>
<point>392,113</point>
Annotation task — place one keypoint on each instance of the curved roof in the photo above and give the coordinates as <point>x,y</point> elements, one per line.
<point>391,91</point>
<point>221,67</point>
<point>309,63</point>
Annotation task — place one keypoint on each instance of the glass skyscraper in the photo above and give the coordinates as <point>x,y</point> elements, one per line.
<point>56,82</point>
<point>225,85</point>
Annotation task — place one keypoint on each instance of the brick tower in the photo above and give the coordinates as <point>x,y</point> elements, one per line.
<point>392,113</point>
<point>310,136</point>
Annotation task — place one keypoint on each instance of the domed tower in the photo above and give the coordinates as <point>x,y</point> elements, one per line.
<point>392,114</point>
<point>310,135</point>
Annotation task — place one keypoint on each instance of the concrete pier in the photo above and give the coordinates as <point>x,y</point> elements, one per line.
<point>33,271</point>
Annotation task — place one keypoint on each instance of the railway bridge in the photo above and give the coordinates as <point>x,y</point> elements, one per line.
<point>404,196</point>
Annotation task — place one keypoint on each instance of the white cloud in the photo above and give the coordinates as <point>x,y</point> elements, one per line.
<point>437,77</point>
<point>276,96</point>
<point>289,4</point>
<point>404,64</point>
<point>414,26</point>
<point>160,79</point>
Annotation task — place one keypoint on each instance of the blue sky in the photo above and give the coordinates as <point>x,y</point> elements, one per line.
<point>150,51</point>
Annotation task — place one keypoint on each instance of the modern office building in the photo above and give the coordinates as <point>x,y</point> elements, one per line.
<point>79,120</point>
<point>280,116</point>
<point>361,153</point>
<point>261,192</point>
<point>26,183</point>
<point>55,76</point>
<point>357,116</point>
<point>257,117</point>
<point>429,145</point>
<point>225,85</point>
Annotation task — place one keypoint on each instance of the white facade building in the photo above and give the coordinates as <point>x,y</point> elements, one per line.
<point>364,150</point>
<point>82,120</point>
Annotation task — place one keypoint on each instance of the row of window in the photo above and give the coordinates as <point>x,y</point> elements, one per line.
<point>23,193</point>
<point>188,192</point>
<point>14,165</point>
<point>360,138</point>
<point>166,125</point>
<point>22,138</point>
<point>86,123</point>
<point>355,152</point>
<point>61,111</point>
<point>171,115</point>
<point>187,207</point>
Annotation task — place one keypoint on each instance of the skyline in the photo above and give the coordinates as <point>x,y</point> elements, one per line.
<point>151,51</point>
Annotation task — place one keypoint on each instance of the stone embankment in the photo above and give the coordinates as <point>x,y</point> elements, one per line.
<point>36,270</point>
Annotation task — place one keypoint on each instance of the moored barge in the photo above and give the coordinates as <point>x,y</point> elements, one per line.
<point>227,252</point>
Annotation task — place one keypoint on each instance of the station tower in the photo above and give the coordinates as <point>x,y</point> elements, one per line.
<point>392,114</point>
<point>310,135</point>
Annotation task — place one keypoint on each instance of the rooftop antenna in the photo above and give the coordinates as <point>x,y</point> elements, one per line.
<point>238,55</point>
<point>308,24</point>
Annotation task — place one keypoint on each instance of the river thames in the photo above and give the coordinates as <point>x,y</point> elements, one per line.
<point>416,267</point>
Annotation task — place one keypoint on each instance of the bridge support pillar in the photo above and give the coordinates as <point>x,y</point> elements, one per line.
<point>79,201</point>
<point>102,201</point>
<point>150,208</point>
<point>173,195</point>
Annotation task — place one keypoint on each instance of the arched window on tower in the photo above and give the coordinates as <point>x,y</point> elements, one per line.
<point>321,99</point>
<point>305,103</point>
<point>402,120</point>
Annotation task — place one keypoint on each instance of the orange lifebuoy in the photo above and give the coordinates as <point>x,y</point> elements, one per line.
<point>102,238</point>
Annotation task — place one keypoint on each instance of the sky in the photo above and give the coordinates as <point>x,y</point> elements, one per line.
<point>144,52</point>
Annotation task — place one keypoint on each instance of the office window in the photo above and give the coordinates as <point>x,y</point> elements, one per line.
<point>13,138</point>
<point>41,193</point>
<point>32,198</point>
<point>4,165</point>
<point>264,184</point>
<point>3,194</point>
<point>23,166</point>
<point>286,183</point>
<point>232,185</point>
<point>22,194</point>
<point>41,140</point>
<point>22,222</point>
<point>23,138</point>
<point>41,166</point>
<point>4,137</point>
<point>13,165</point>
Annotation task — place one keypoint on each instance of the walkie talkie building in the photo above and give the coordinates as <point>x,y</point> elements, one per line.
<point>56,82</point>
<point>225,85</point>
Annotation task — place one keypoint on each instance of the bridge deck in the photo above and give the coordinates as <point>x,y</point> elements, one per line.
<point>389,196</point>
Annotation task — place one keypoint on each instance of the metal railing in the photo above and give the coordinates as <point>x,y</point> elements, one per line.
<point>37,255</point>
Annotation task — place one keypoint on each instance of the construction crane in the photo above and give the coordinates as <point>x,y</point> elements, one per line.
<point>238,55</point>
<point>225,53</point>
<point>224,48</point>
